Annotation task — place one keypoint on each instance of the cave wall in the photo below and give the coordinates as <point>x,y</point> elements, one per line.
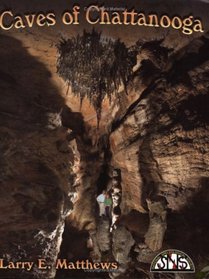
<point>35,168</point>
<point>160,144</point>
<point>163,137</point>
<point>52,156</point>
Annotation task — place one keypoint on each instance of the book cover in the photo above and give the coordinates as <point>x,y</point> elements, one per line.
<point>104,165</point>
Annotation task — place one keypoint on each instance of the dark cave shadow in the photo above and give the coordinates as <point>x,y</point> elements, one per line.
<point>27,97</point>
<point>104,177</point>
<point>74,248</point>
<point>188,229</point>
<point>75,245</point>
<point>74,121</point>
<point>26,89</point>
<point>189,61</point>
<point>149,186</point>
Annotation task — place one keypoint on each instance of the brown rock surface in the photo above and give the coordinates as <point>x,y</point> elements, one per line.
<point>34,186</point>
<point>52,155</point>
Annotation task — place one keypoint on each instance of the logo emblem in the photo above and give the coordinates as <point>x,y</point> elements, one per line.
<point>172,261</point>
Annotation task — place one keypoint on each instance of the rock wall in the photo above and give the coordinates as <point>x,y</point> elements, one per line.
<point>160,145</point>
<point>35,166</point>
<point>54,162</point>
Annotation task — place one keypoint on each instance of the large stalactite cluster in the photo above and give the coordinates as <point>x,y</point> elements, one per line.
<point>95,66</point>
